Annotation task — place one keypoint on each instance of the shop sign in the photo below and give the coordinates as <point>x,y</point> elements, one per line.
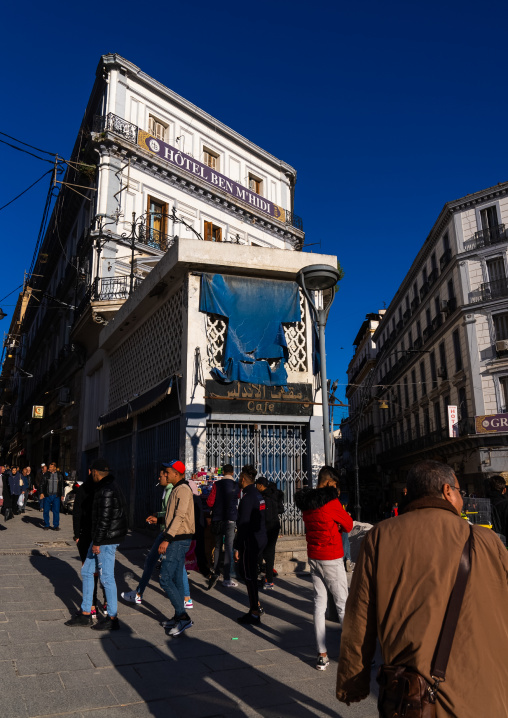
<point>37,412</point>
<point>491,423</point>
<point>256,399</point>
<point>453,427</point>
<point>179,159</point>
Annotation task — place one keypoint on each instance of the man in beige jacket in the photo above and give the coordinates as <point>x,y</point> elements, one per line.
<point>401,586</point>
<point>178,533</point>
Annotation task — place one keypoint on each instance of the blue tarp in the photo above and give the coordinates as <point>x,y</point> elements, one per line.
<point>255,310</point>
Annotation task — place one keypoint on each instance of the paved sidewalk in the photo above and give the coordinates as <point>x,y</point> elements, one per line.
<point>48,669</point>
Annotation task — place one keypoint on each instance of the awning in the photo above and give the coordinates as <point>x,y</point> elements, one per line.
<point>137,405</point>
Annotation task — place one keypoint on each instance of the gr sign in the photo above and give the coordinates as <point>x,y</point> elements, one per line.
<point>491,424</point>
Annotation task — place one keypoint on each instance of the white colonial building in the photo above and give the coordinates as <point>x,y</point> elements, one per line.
<point>442,343</point>
<point>160,199</point>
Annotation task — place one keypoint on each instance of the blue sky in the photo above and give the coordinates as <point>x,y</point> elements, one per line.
<point>387,111</point>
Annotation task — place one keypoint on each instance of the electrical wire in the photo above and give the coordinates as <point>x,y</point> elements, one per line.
<point>43,159</point>
<point>8,295</point>
<point>27,145</point>
<point>25,190</point>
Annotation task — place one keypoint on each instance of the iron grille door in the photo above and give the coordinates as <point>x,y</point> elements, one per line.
<point>278,451</point>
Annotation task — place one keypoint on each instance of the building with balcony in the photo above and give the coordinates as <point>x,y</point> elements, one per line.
<point>111,336</point>
<point>442,342</point>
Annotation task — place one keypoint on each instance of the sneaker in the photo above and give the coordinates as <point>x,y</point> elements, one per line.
<point>188,604</point>
<point>80,620</point>
<point>229,583</point>
<point>261,610</point>
<point>131,597</point>
<point>93,613</point>
<point>322,663</point>
<point>104,610</point>
<point>180,626</point>
<point>249,619</point>
<point>268,586</point>
<point>214,577</point>
<point>107,624</point>
<point>170,623</point>
<point>46,528</point>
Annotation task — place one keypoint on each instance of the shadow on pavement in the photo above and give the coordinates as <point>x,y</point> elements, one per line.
<point>187,675</point>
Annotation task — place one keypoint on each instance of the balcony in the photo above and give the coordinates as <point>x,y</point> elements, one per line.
<point>494,290</point>
<point>433,276</point>
<point>486,237</point>
<point>116,124</point>
<point>106,289</point>
<point>424,290</point>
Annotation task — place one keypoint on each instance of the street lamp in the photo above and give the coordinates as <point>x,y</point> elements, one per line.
<point>318,278</point>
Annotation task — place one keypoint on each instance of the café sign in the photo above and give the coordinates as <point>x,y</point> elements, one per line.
<point>244,398</point>
<point>491,423</point>
<point>179,159</point>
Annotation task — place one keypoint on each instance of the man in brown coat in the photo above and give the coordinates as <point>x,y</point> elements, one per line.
<point>400,589</point>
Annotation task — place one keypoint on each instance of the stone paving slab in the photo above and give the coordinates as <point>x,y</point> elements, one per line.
<point>215,669</point>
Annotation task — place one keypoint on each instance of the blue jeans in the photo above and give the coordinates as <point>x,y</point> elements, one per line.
<point>104,563</point>
<point>53,503</point>
<point>173,567</point>
<point>150,562</point>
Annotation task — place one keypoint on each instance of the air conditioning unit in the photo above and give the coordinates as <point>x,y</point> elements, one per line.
<point>441,372</point>
<point>444,305</point>
<point>502,345</point>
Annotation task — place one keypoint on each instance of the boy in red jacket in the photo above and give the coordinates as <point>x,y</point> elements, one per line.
<point>325,519</point>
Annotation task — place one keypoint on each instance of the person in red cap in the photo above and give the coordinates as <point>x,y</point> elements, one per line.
<point>179,530</point>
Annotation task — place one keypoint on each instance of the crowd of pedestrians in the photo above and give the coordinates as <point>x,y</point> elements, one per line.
<point>428,587</point>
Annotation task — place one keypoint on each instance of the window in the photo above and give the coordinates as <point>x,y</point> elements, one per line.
<point>437,415</point>
<point>156,223</point>
<point>406,392</point>
<point>423,378</point>
<point>426,420</point>
<point>255,184</point>
<point>157,129</point>
<point>413,382</point>
<point>408,428</point>
<point>488,217</point>
<point>416,417</point>
<point>410,339</point>
<point>428,317</point>
<point>211,159</point>
<point>433,372</point>
<point>446,242</point>
<point>212,232</point>
<point>437,306</point>
<point>451,292</point>
<point>442,361</point>
<point>501,326</point>
<point>433,262</point>
<point>496,272</point>
<point>462,403</point>
<point>456,350</point>
<point>503,383</point>
<point>424,275</point>
<point>418,329</point>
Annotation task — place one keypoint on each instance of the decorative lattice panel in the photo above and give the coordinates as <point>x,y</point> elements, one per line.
<point>152,353</point>
<point>216,331</point>
<point>278,451</point>
<point>296,341</point>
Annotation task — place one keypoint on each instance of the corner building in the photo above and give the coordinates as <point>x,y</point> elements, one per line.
<point>443,342</point>
<point>172,203</point>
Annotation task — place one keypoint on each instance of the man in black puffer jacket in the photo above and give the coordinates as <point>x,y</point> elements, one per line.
<point>109,527</point>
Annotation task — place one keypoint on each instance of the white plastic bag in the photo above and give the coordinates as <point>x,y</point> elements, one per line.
<point>21,501</point>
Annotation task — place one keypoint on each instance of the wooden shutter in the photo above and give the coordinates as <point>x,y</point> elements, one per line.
<point>208,231</point>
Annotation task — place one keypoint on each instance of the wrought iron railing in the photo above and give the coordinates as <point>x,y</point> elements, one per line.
<point>155,238</point>
<point>490,235</point>
<point>114,123</point>
<point>294,220</point>
<point>494,290</point>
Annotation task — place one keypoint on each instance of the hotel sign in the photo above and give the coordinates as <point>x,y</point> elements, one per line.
<point>215,179</point>
<point>491,423</point>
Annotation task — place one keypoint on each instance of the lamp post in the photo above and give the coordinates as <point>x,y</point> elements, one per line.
<point>318,278</point>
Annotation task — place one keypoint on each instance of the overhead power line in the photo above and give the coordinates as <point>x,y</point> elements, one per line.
<point>26,190</point>
<point>20,149</point>
<point>53,154</point>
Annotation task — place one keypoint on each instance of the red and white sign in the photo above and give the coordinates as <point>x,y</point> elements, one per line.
<point>453,418</point>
